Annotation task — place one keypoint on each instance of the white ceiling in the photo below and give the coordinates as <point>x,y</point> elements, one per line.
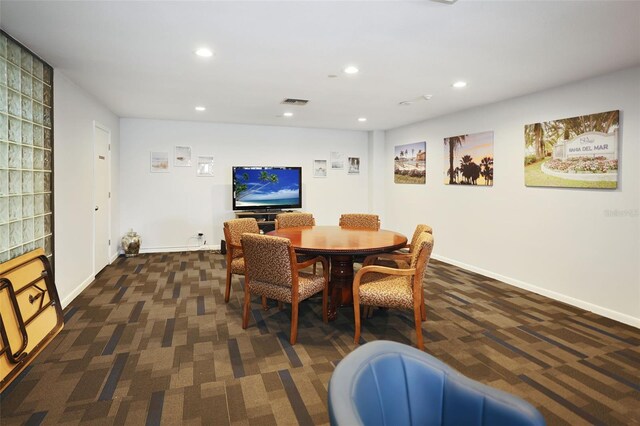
<point>137,57</point>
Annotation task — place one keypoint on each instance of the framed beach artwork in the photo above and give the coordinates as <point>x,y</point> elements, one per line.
<point>469,159</point>
<point>576,152</point>
<point>410,163</point>
<point>319,168</point>
<point>159,162</point>
<point>182,156</point>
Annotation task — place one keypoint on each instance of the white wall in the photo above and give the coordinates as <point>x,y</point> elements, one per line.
<point>557,242</point>
<point>169,209</point>
<point>377,174</point>
<point>74,114</point>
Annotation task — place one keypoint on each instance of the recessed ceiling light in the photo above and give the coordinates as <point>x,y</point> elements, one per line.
<point>351,70</point>
<point>200,108</point>
<point>204,52</point>
<point>361,119</point>
<point>288,114</point>
<point>459,84</point>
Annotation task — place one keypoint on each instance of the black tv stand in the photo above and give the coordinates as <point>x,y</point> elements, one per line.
<point>266,218</point>
<point>267,211</point>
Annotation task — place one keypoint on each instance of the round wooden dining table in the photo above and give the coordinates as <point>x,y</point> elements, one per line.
<point>340,245</point>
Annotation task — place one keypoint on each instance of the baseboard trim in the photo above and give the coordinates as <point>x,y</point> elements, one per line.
<point>605,312</point>
<point>76,292</point>
<point>179,248</point>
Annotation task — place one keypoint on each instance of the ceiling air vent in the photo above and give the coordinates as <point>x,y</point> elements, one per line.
<point>292,101</point>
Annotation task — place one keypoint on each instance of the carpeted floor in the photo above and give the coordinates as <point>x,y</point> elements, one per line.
<point>151,341</point>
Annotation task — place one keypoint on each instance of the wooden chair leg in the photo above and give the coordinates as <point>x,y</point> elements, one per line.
<point>227,291</point>
<point>245,310</point>
<point>356,315</point>
<point>423,310</point>
<point>265,307</point>
<point>367,311</point>
<point>325,303</point>
<point>294,322</point>
<point>418,320</point>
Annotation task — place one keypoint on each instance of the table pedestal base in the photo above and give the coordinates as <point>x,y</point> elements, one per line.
<point>341,284</point>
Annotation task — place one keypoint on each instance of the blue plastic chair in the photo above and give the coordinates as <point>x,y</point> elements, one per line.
<point>388,383</point>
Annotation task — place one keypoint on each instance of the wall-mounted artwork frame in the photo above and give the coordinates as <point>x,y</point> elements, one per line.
<point>182,156</point>
<point>469,159</point>
<point>204,166</point>
<point>159,162</point>
<point>319,168</point>
<point>576,152</point>
<point>337,160</point>
<point>354,165</point>
<point>410,163</point>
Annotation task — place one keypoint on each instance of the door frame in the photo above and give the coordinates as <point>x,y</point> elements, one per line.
<point>98,125</point>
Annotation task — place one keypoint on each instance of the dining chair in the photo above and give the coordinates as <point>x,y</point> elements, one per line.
<point>384,259</point>
<point>233,230</point>
<point>360,220</point>
<point>400,258</point>
<point>397,288</point>
<point>293,220</point>
<point>271,270</point>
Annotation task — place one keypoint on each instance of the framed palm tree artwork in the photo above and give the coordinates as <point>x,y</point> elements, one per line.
<point>576,152</point>
<point>469,159</point>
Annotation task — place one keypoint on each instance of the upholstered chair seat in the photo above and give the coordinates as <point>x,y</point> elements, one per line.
<point>308,285</point>
<point>237,266</point>
<point>390,291</point>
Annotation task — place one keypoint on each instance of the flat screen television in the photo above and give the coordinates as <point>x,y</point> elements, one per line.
<point>267,188</point>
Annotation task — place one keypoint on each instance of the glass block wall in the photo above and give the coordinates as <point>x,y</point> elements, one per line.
<point>26,157</point>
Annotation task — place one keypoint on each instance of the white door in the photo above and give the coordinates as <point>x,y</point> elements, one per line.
<point>102,194</point>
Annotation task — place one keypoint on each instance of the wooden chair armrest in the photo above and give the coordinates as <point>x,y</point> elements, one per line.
<point>325,264</point>
<point>234,246</point>
<point>231,248</point>
<point>369,260</point>
<point>382,270</point>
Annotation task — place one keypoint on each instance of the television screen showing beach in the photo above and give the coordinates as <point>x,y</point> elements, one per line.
<point>266,187</point>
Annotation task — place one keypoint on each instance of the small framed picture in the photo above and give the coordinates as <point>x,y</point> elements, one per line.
<point>182,156</point>
<point>337,162</point>
<point>320,168</point>
<point>354,165</point>
<point>205,166</point>
<point>159,162</point>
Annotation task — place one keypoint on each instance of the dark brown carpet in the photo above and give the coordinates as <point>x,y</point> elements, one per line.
<point>151,341</point>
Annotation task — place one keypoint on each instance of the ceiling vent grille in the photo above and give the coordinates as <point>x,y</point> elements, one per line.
<point>292,101</point>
